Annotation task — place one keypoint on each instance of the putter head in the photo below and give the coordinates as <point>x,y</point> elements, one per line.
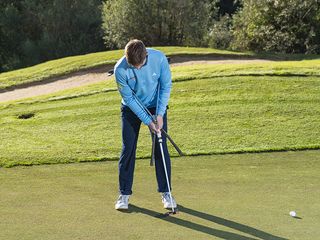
<point>171,213</point>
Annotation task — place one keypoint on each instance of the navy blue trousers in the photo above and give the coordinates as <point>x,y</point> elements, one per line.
<point>130,132</point>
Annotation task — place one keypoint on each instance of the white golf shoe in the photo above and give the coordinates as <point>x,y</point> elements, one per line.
<point>122,202</point>
<point>165,197</point>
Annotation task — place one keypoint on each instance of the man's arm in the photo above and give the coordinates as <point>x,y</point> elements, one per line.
<point>165,86</point>
<point>129,98</point>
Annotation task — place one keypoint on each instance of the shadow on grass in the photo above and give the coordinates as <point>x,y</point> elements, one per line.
<point>204,229</point>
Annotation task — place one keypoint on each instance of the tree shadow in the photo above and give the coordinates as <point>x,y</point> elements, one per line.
<point>208,230</point>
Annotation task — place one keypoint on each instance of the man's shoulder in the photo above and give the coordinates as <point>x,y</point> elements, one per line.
<point>156,52</point>
<point>121,65</point>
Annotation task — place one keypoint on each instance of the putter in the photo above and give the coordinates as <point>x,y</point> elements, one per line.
<point>166,173</point>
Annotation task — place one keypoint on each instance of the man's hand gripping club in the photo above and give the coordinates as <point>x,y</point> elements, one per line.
<point>156,125</point>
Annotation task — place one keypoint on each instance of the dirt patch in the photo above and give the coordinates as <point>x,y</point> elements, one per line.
<point>87,77</point>
<point>56,84</point>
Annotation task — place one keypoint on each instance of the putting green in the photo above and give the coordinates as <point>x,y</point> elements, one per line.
<point>238,196</point>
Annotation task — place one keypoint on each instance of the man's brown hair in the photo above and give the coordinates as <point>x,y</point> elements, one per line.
<point>135,52</point>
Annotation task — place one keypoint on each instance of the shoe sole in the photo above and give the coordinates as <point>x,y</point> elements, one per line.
<point>121,208</point>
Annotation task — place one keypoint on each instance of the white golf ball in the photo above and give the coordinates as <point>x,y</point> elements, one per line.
<point>293,213</point>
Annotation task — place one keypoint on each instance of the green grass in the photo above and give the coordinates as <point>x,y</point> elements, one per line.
<point>57,67</point>
<point>289,68</point>
<point>197,71</point>
<point>214,109</point>
<point>234,197</point>
<point>67,65</point>
<point>206,116</point>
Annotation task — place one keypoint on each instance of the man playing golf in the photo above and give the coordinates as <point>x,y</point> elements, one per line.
<point>144,81</point>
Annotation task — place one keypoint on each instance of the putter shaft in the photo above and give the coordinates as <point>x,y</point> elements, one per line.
<point>165,168</point>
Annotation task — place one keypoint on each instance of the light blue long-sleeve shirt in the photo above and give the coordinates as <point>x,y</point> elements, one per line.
<point>144,82</point>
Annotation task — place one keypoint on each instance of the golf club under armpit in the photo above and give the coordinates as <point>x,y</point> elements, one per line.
<point>153,158</point>
<point>154,120</point>
<point>111,72</point>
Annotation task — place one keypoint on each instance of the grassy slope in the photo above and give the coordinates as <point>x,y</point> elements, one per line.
<point>72,64</point>
<point>227,114</point>
<point>196,71</point>
<point>246,196</point>
<point>66,65</point>
<point>57,68</point>
<point>288,68</point>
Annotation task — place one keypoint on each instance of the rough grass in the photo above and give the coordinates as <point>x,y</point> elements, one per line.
<point>235,197</point>
<point>67,65</point>
<point>206,116</point>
